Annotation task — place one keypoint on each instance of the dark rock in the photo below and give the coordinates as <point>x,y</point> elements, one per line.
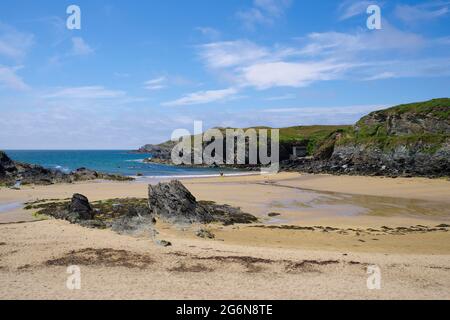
<point>7,167</point>
<point>163,243</point>
<point>174,203</point>
<point>84,174</point>
<point>205,234</point>
<point>226,214</point>
<point>12,171</point>
<point>274,214</point>
<point>80,206</point>
<point>160,153</point>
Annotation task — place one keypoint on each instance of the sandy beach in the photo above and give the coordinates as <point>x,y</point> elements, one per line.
<point>323,234</point>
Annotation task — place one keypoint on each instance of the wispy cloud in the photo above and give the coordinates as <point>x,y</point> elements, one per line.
<point>263,12</point>
<point>231,53</point>
<point>389,38</point>
<point>203,97</point>
<point>422,12</point>
<point>89,92</point>
<point>10,79</point>
<point>156,84</point>
<point>13,43</point>
<point>351,8</point>
<point>80,47</point>
<point>360,55</point>
<point>291,74</point>
<point>289,96</point>
<point>210,33</point>
<point>248,64</point>
<point>380,76</point>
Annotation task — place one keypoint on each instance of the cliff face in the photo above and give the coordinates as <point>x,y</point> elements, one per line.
<point>405,140</point>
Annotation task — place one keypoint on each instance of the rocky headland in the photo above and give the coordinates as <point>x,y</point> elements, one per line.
<point>406,140</point>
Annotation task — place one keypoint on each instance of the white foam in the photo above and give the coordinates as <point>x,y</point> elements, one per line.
<point>135,160</point>
<point>250,173</point>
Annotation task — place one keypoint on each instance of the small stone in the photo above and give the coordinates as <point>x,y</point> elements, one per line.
<point>205,234</point>
<point>163,243</point>
<point>274,214</point>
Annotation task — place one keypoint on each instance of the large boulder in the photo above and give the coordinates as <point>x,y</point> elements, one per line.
<point>80,206</point>
<point>174,203</point>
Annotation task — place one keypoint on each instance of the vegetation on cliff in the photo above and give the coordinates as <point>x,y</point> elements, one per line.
<point>426,123</point>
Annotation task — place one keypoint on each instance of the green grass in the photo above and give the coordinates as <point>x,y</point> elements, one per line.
<point>439,108</point>
<point>372,129</point>
<point>313,136</point>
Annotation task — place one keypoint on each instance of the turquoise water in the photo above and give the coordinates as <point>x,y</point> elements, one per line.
<point>110,161</point>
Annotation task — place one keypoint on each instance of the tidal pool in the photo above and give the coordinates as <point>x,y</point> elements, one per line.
<point>7,207</point>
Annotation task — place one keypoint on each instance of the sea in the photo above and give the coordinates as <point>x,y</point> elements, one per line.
<point>111,161</point>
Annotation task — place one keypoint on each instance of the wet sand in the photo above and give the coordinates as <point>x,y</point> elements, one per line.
<point>330,229</point>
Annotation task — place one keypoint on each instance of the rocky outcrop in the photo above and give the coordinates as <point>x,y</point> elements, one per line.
<point>407,140</point>
<point>83,174</point>
<point>170,202</point>
<point>161,153</point>
<point>7,167</point>
<point>12,171</point>
<point>81,207</point>
<point>406,161</point>
<point>173,203</point>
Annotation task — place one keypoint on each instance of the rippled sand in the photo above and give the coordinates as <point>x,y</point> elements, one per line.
<point>330,229</point>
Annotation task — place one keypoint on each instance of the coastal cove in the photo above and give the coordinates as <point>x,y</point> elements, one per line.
<point>220,153</point>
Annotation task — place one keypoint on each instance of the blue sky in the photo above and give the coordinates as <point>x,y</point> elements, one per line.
<point>137,70</point>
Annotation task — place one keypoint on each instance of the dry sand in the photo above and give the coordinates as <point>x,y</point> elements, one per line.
<point>318,248</point>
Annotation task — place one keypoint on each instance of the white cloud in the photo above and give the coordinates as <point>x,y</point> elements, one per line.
<point>389,38</point>
<point>275,8</point>
<point>155,84</point>
<point>248,64</point>
<point>352,8</point>
<point>360,55</point>
<point>10,79</point>
<point>14,44</point>
<point>290,74</point>
<point>263,12</point>
<point>203,97</point>
<point>381,76</point>
<point>80,47</point>
<point>231,53</point>
<point>90,92</point>
<point>422,12</point>
<point>209,32</point>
